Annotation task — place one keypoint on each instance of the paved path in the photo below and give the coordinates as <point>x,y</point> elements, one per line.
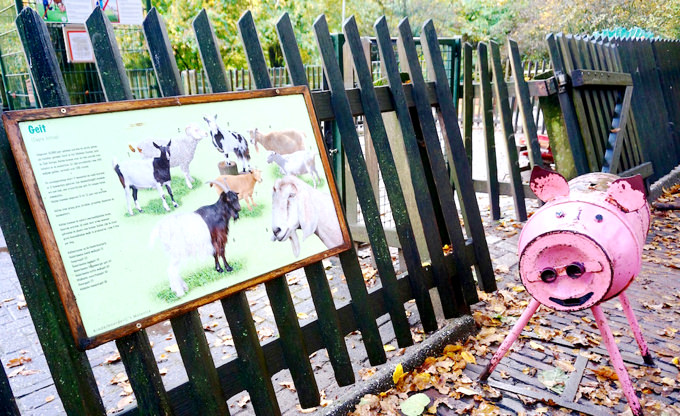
<point>655,296</point>
<point>36,394</point>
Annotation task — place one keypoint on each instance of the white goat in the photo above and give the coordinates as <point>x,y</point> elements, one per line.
<point>191,236</point>
<point>282,142</point>
<point>296,205</point>
<point>146,173</point>
<point>296,163</point>
<point>182,151</point>
<point>229,141</point>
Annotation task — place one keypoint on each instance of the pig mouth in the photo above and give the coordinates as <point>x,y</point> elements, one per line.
<point>573,301</point>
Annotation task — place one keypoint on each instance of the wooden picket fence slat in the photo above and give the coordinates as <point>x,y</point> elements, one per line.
<point>512,159</point>
<point>74,379</point>
<point>206,389</point>
<point>359,172</point>
<point>525,105</point>
<point>355,282</point>
<point>379,139</point>
<point>293,344</point>
<point>134,349</point>
<point>492,186</point>
<point>448,118</point>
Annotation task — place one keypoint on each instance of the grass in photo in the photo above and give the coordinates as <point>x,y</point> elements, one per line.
<point>197,279</point>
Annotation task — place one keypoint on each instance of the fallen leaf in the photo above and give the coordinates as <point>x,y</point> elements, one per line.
<point>243,401</point>
<point>302,315</point>
<point>536,346</point>
<point>113,358</point>
<point>398,373</point>
<point>466,391</point>
<point>15,372</point>
<point>469,358</point>
<point>15,362</point>
<point>301,410</point>
<point>119,378</point>
<point>414,405</point>
<point>288,385</point>
<point>49,398</point>
<point>554,379</point>
<point>605,372</point>
<point>163,371</point>
<point>564,365</point>
<point>125,401</point>
<point>28,372</point>
<point>389,347</point>
<point>172,348</point>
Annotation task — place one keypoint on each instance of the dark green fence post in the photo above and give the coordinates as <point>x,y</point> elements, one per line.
<point>461,273</point>
<point>294,348</point>
<point>365,318</point>
<point>252,363</point>
<point>135,349</point>
<point>503,105</point>
<point>206,389</point>
<point>486,104</point>
<point>376,126</point>
<point>70,368</point>
<point>468,100</point>
<point>524,104</point>
<point>359,172</point>
<point>461,169</point>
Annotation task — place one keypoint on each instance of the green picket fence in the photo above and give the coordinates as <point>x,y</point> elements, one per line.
<point>209,386</point>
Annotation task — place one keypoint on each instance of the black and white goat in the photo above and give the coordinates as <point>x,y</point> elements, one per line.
<point>192,236</point>
<point>146,173</point>
<point>227,142</point>
<point>183,150</point>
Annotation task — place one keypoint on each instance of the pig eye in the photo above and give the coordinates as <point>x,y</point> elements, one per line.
<point>549,275</point>
<point>575,270</point>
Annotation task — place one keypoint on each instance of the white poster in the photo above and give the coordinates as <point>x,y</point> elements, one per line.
<point>78,45</point>
<point>130,12</point>
<point>77,11</point>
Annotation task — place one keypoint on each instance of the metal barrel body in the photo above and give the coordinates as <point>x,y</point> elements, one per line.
<point>582,248</point>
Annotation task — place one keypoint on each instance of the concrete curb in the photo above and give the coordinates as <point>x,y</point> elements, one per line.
<point>672,178</point>
<point>455,330</point>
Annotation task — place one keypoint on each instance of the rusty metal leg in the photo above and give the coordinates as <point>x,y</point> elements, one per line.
<point>617,361</point>
<point>510,339</point>
<point>635,327</point>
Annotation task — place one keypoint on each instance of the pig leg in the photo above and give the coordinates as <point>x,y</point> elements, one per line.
<point>635,327</point>
<point>510,339</point>
<point>617,361</point>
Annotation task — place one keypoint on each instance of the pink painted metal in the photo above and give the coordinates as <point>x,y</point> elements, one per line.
<point>617,361</point>
<point>510,339</point>
<point>583,247</point>
<point>635,327</point>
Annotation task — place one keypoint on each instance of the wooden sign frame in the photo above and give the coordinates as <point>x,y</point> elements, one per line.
<point>112,282</point>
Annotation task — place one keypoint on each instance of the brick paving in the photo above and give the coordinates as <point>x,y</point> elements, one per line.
<point>655,296</point>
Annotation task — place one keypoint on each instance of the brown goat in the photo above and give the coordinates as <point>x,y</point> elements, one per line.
<point>241,184</point>
<point>282,142</point>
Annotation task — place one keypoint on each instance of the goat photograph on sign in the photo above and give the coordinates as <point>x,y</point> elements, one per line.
<point>149,208</point>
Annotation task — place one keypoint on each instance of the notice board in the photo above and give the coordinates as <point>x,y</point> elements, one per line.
<point>121,266</point>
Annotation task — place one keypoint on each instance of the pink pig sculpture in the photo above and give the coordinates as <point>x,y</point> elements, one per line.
<point>583,247</point>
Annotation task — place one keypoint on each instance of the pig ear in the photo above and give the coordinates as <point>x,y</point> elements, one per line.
<point>627,193</point>
<point>547,184</point>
